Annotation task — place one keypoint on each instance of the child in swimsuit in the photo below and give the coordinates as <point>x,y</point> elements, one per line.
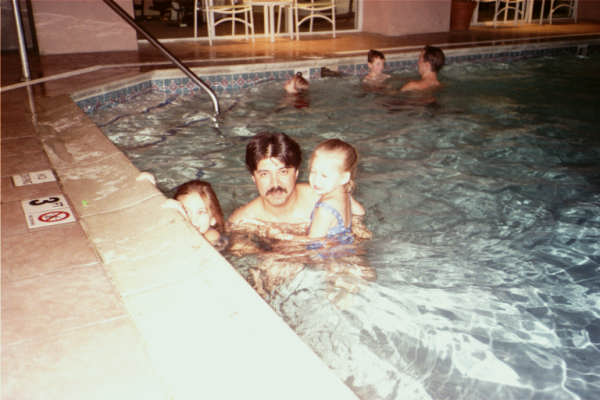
<point>201,207</point>
<point>332,169</point>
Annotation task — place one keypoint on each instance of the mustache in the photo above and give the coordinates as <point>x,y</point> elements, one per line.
<point>276,189</point>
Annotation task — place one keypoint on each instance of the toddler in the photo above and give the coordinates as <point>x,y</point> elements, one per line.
<point>376,64</point>
<point>203,210</point>
<point>332,169</point>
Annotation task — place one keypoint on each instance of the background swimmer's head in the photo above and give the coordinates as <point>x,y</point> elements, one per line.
<point>373,55</point>
<point>186,195</point>
<point>296,84</point>
<point>434,56</point>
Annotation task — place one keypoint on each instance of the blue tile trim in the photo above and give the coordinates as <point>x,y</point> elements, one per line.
<point>238,81</point>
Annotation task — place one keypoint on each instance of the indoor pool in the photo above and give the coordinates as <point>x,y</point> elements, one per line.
<point>484,203</point>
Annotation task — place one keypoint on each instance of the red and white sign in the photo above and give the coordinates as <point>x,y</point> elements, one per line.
<point>47,211</point>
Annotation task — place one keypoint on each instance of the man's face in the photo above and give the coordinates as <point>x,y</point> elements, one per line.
<point>275,182</point>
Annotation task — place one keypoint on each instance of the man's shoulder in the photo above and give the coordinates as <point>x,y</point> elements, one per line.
<point>253,210</point>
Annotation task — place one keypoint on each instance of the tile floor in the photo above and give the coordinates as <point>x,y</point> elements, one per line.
<point>128,302</point>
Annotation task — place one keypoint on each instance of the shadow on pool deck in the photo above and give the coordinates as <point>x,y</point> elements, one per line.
<point>129,302</point>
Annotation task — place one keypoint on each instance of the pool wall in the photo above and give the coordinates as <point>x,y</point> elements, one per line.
<point>233,78</point>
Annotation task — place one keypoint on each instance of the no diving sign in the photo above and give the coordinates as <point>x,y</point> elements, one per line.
<point>47,211</point>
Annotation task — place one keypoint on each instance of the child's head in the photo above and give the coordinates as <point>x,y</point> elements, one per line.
<point>296,84</point>
<point>375,61</point>
<point>434,56</point>
<point>201,205</point>
<point>332,164</point>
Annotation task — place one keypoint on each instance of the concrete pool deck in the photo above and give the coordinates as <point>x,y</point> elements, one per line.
<point>129,302</point>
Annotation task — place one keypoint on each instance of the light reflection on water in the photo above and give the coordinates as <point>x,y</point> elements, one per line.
<point>484,203</point>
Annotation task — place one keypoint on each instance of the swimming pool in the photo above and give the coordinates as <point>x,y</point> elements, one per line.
<point>484,202</point>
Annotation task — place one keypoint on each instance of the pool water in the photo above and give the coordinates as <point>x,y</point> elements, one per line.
<point>484,203</point>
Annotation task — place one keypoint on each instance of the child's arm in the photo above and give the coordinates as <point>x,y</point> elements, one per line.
<point>319,226</point>
<point>356,208</point>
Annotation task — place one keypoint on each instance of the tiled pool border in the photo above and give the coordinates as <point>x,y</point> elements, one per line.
<point>231,78</point>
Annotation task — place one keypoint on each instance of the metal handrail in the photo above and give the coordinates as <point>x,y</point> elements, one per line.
<point>123,14</point>
<point>21,39</point>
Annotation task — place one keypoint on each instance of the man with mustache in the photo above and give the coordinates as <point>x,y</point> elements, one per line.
<point>273,160</point>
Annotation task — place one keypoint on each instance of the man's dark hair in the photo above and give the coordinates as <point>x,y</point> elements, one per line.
<point>435,57</point>
<point>273,145</point>
<point>373,54</point>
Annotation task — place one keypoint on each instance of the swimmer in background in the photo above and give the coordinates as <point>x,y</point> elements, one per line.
<point>376,64</point>
<point>297,91</point>
<point>431,61</point>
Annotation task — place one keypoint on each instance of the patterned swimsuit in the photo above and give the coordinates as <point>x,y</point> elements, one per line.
<point>339,232</point>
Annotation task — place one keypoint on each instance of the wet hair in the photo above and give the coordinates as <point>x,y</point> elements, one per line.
<point>273,145</point>
<point>434,56</point>
<point>373,54</point>
<point>207,194</point>
<point>300,84</point>
<point>350,157</point>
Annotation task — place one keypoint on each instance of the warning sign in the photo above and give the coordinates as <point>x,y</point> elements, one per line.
<point>47,211</point>
<point>54,216</point>
<point>32,178</point>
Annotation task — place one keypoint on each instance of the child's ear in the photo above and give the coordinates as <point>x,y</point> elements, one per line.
<point>345,178</point>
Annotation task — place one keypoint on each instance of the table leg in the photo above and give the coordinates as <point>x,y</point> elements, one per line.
<point>272,21</point>
<point>266,19</point>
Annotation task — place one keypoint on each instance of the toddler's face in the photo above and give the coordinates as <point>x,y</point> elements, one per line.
<point>377,66</point>
<point>197,211</point>
<point>326,172</point>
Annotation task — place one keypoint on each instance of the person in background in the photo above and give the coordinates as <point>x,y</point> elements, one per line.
<point>376,64</point>
<point>431,61</point>
<point>296,89</point>
<point>296,84</point>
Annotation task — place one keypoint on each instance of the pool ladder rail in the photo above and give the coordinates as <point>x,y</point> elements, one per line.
<point>123,14</point>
